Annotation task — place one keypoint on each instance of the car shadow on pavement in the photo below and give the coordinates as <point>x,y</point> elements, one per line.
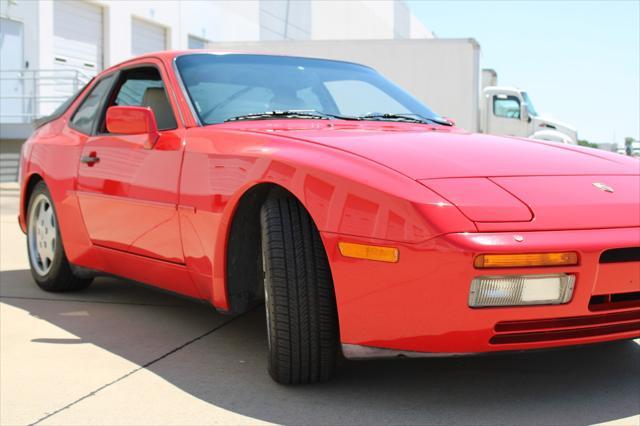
<point>226,367</point>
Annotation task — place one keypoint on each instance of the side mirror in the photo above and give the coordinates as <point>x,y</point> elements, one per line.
<point>450,120</point>
<point>132,120</point>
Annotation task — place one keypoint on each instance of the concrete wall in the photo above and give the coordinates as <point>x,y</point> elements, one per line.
<point>365,19</point>
<point>285,19</point>
<point>344,20</point>
<point>418,29</point>
<point>9,159</point>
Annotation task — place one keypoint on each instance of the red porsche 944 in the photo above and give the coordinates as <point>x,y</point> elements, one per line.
<point>368,225</point>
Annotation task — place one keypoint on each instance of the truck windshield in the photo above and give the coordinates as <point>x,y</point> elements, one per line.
<point>530,107</point>
<point>223,87</point>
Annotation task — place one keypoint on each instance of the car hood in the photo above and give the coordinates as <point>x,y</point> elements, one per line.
<point>427,152</point>
<point>535,203</point>
<point>499,183</point>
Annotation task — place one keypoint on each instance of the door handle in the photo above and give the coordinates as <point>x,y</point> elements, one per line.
<point>90,159</point>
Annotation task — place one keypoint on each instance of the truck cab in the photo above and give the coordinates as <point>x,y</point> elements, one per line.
<point>509,111</point>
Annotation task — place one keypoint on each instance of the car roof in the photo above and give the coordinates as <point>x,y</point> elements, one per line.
<point>169,55</point>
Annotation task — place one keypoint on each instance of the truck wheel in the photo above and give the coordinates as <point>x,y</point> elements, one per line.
<point>49,266</point>
<point>302,320</point>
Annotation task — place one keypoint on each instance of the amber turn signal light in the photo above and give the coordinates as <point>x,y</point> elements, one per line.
<point>522,260</point>
<point>364,251</point>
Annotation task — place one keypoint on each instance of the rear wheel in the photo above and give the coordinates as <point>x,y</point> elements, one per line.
<point>49,266</point>
<point>302,321</point>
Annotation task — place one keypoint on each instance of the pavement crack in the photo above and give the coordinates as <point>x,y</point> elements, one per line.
<point>142,367</point>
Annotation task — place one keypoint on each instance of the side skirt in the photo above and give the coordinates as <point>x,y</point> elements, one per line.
<point>172,277</point>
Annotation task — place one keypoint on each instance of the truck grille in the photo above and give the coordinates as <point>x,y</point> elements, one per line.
<point>553,329</point>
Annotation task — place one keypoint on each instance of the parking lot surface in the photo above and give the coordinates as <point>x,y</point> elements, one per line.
<point>121,353</point>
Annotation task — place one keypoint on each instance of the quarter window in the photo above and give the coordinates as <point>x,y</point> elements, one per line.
<point>85,117</point>
<point>506,106</point>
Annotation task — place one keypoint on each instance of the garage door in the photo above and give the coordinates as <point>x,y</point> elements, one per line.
<point>147,37</point>
<point>77,36</point>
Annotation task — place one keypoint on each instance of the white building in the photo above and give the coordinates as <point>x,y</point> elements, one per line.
<point>50,48</point>
<point>44,37</point>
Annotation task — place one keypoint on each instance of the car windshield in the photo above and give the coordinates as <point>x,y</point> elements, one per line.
<point>530,107</point>
<point>232,86</point>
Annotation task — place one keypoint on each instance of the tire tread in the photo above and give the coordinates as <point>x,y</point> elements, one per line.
<point>304,332</point>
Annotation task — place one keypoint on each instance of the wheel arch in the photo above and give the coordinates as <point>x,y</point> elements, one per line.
<point>25,195</point>
<point>242,245</point>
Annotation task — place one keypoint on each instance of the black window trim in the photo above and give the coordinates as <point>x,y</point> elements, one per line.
<point>184,91</point>
<point>86,96</point>
<point>103,108</point>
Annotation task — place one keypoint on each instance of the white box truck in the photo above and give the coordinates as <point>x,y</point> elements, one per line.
<point>443,73</point>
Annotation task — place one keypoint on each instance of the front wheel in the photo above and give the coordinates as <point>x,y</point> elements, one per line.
<point>302,320</point>
<point>49,265</point>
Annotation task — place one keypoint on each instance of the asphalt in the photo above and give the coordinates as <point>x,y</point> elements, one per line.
<point>121,353</point>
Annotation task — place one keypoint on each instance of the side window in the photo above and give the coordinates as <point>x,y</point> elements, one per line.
<point>506,106</point>
<point>132,91</point>
<point>144,87</point>
<point>88,112</point>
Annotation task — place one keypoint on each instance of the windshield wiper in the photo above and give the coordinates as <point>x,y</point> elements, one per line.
<point>302,114</point>
<point>407,118</point>
<point>319,115</point>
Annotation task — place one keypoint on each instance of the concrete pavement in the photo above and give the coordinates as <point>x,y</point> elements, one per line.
<point>122,353</point>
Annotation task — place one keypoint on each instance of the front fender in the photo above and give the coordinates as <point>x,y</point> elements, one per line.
<point>344,194</point>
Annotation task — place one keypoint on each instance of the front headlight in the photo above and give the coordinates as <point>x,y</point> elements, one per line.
<point>521,290</point>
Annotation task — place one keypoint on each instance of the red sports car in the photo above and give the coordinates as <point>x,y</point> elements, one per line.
<point>367,224</point>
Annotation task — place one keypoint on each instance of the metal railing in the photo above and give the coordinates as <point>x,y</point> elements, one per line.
<point>26,95</point>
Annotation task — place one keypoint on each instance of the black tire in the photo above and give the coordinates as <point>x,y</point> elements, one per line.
<point>302,319</point>
<point>58,276</point>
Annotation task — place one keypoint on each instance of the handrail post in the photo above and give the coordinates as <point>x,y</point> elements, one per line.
<point>35,107</point>
<point>75,81</point>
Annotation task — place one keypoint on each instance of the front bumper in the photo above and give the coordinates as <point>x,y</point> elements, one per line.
<point>420,304</point>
